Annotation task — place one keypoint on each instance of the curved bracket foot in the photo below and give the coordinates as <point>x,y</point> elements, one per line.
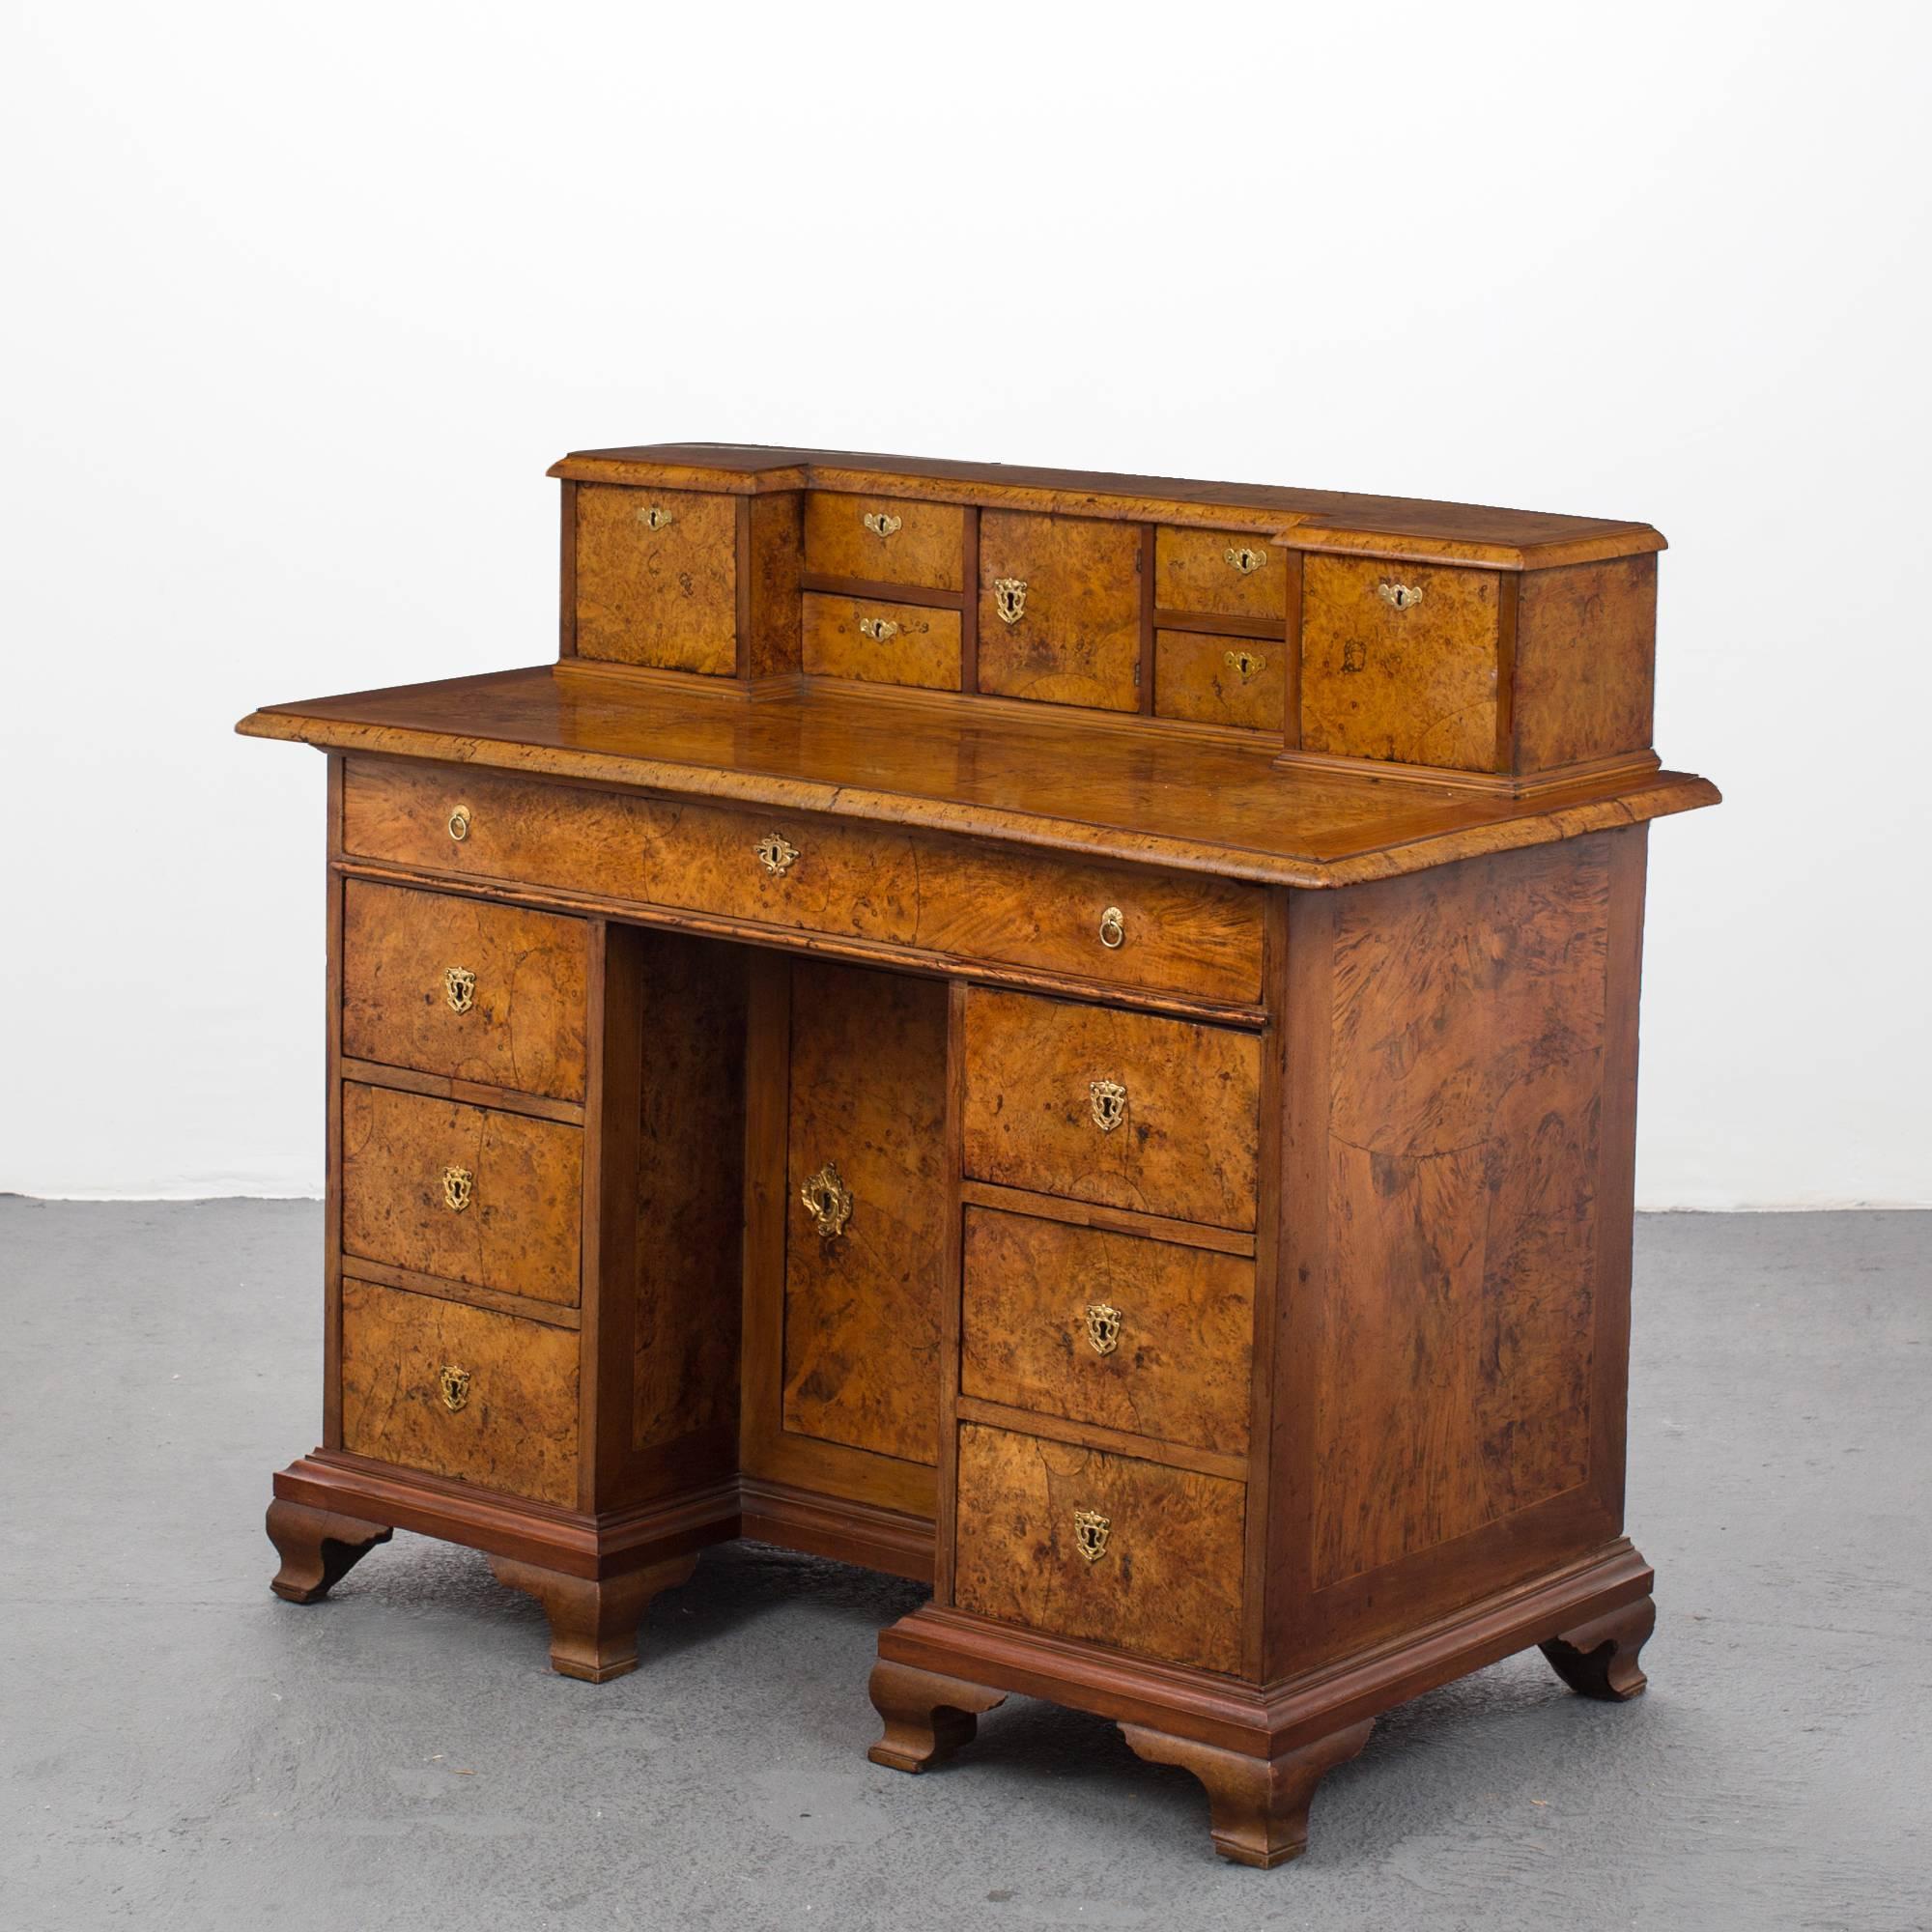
<point>928,1716</point>
<point>318,1548</point>
<point>1598,1658</point>
<point>593,1621</point>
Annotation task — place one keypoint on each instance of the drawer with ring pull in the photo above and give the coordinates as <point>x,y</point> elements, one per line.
<point>881,644</point>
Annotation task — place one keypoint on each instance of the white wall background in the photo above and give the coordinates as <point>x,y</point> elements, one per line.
<point>303,300</point>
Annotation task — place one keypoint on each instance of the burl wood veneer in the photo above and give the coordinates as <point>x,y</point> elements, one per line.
<point>1070,1037</point>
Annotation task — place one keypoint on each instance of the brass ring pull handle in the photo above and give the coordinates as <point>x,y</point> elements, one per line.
<point>776,854</point>
<point>458,1188</point>
<point>453,1385</point>
<point>1112,930</point>
<point>1244,561</point>
<point>1102,1321</point>
<point>1108,1099</point>
<point>880,524</point>
<point>459,989</point>
<point>655,517</point>
<point>1010,599</point>
<point>828,1201</point>
<point>1091,1531</point>
<point>1399,596</point>
<point>459,823</point>
<point>1247,663</point>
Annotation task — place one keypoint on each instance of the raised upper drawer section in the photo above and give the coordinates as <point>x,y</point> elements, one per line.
<point>1117,926</point>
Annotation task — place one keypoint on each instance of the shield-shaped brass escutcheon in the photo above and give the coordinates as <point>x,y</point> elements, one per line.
<point>454,1382</point>
<point>1010,599</point>
<point>1103,1321</point>
<point>457,1185</point>
<point>776,854</point>
<point>1109,1104</point>
<point>1090,1530</point>
<point>828,1201</point>
<point>459,989</point>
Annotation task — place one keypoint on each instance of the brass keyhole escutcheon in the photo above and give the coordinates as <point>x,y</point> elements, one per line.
<point>1010,599</point>
<point>828,1201</point>
<point>776,854</point>
<point>459,823</point>
<point>454,1386</point>
<point>1091,1531</point>
<point>655,517</point>
<point>1399,596</point>
<point>1102,1323</point>
<point>459,989</point>
<point>1243,559</point>
<point>1112,930</point>
<point>878,629</point>
<point>880,524</point>
<point>1109,1102</point>
<point>1247,663</point>
<point>459,1187</point>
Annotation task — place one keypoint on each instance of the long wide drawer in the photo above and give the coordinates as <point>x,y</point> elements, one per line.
<point>465,1193</point>
<point>1114,1329</point>
<point>459,1391</point>
<point>1120,925</point>
<point>1084,1544</point>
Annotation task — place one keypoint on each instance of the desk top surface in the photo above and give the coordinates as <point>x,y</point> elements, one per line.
<point>1125,789</point>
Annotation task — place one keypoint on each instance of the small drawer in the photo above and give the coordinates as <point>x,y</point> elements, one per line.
<point>1118,1331</point>
<point>657,578</point>
<point>1222,572</point>
<point>1215,680</point>
<point>450,985</point>
<point>1399,662</point>
<point>459,1391</point>
<point>1097,1104</point>
<point>1060,609</point>
<point>466,1193</point>
<point>882,644</point>
<point>1084,1544</point>
<point>884,540</point>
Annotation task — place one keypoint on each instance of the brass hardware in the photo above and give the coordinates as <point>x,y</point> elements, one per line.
<point>828,1201</point>
<point>1112,930</point>
<point>776,854</point>
<point>880,524</point>
<point>655,517</point>
<point>1091,1529</point>
<point>459,989</point>
<point>878,629</point>
<point>1399,596</point>
<point>459,823</point>
<point>1010,599</point>
<point>1104,1326</point>
<point>1247,663</point>
<point>1247,561</point>
<point>1109,1104</point>
<point>454,1382</point>
<point>457,1185</point>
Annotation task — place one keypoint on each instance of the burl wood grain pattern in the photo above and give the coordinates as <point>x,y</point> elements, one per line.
<point>1192,572</point>
<point>1585,657</point>
<point>775,533</point>
<point>667,597</point>
<point>1179,1371</point>
<point>924,552</point>
<point>1217,680</point>
<point>862,1307</point>
<point>923,649</point>
<point>1078,639</point>
<point>690,1187</point>
<point>518,1231</point>
<point>1169,1583</point>
<point>1185,1145</point>
<point>522,1024</point>
<point>1417,686</point>
<point>517,1428</point>
<point>1452,1346</point>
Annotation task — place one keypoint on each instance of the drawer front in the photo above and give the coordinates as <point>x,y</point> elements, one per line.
<point>1219,571</point>
<point>459,1391</point>
<point>1220,680</point>
<point>466,1193</point>
<point>1119,1108</point>
<point>1399,662</point>
<point>1166,1580</point>
<point>884,540</point>
<point>657,578</point>
<point>882,644</point>
<point>1127,1334</point>
<point>455,987</point>
<point>1060,609</point>
<point>1176,932</point>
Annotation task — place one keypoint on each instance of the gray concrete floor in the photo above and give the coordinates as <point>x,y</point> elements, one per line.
<point>177,1749</point>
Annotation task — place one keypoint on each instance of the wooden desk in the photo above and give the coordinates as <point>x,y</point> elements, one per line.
<point>1072,1036</point>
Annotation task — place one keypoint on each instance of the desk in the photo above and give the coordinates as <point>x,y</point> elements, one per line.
<point>1073,1038</point>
